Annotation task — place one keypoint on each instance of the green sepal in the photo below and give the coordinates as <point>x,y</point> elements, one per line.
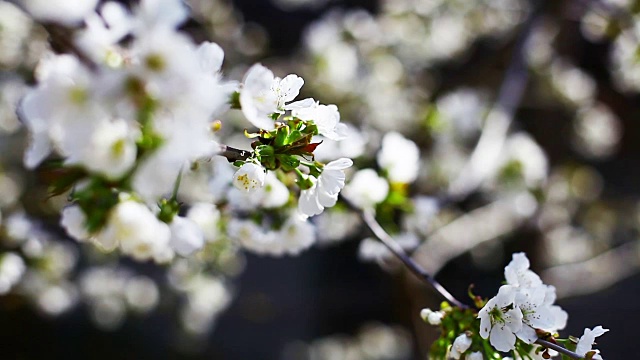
<point>266,155</point>
<point>168,209</point>
<point>234,100</point>
<point>96,201</point>
<point>249,135</point>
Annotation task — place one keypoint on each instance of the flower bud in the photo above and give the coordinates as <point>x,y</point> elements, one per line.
<point>460,345</point>
<point>431,317</point>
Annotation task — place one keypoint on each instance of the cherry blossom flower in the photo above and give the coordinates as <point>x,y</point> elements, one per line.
<point>325,117</point>
<point>325,189</point>
<point>249,178</point>
<point>400,157</point>
<point>263,94</point>
<point>186,236</point>
<point>517,273</point>
<point>500,319</point>
<point>136,230</point>
<point>73,221</point>
<point>67,12</point>
<point>366,189</point>
<point>586,341</point>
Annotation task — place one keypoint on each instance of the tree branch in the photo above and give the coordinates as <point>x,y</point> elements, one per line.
<point>558,348</point>
<point>232,154</point>
<point>369,219</point>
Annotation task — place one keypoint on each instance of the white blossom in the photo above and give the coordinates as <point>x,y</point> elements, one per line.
<point>250,177</point>
<point>263,94</point>
<point>67,12</point>
<point>136,230</point>
<point>476,355</point>
<point>517,273</point>
<point>186,236</point>
<point>500,319</point>
<point>586,341</point>
<point>325,189</point>
<point>461,344</point>
<point>111,150</point>
<point>73,221</point>
<point>366,189</point>
<point>325,117</point>
<point>206,216</point>
<point>12,268</point>
<point>400,157</point>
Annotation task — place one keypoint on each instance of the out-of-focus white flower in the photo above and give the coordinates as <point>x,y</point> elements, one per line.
<point>61,112</point>
<point>432,317</point>
<point>206,297</point>
<point>366,189</point>
<point>263,94</point>
<point>12,267</point>
<point>250,177</point>
<point>461,344</point>
<point>586,341</point>
<point>325,189</point>
<point>500,319</point>
<point>296,235</point>
<point>274,193</point>
<point>326,118</point>
<point>141,293</point>
<point>476,355</point>
<point>399,157</point>
<point>419,221</point>
<point>73,221</point>
<point>523,149</point>
<point>66,12</point>
<point>206,216</point>
<point>186,236</point>
<point>137,231</point>
<point>111,151</point>
<point>333,149</point>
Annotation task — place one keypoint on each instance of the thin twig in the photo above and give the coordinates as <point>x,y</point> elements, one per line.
<point>558,348</point>
<point>369,219</point>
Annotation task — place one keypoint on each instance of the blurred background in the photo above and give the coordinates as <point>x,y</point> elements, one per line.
<point>555,83</point>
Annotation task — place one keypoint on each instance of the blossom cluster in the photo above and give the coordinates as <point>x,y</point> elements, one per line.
<point>130,115</point>
<point>523,305</point>
<point>513,321</point>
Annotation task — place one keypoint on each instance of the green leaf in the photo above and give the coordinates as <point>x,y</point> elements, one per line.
<point>288,162</point>
<point>282,136</point>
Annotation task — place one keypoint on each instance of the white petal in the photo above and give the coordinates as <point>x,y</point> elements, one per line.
<point>211,57</point>
<point>527,334</point>
<point>502,338</point>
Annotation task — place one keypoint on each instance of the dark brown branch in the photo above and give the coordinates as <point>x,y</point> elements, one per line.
<point>61,39</point>
<point>233,154</point>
